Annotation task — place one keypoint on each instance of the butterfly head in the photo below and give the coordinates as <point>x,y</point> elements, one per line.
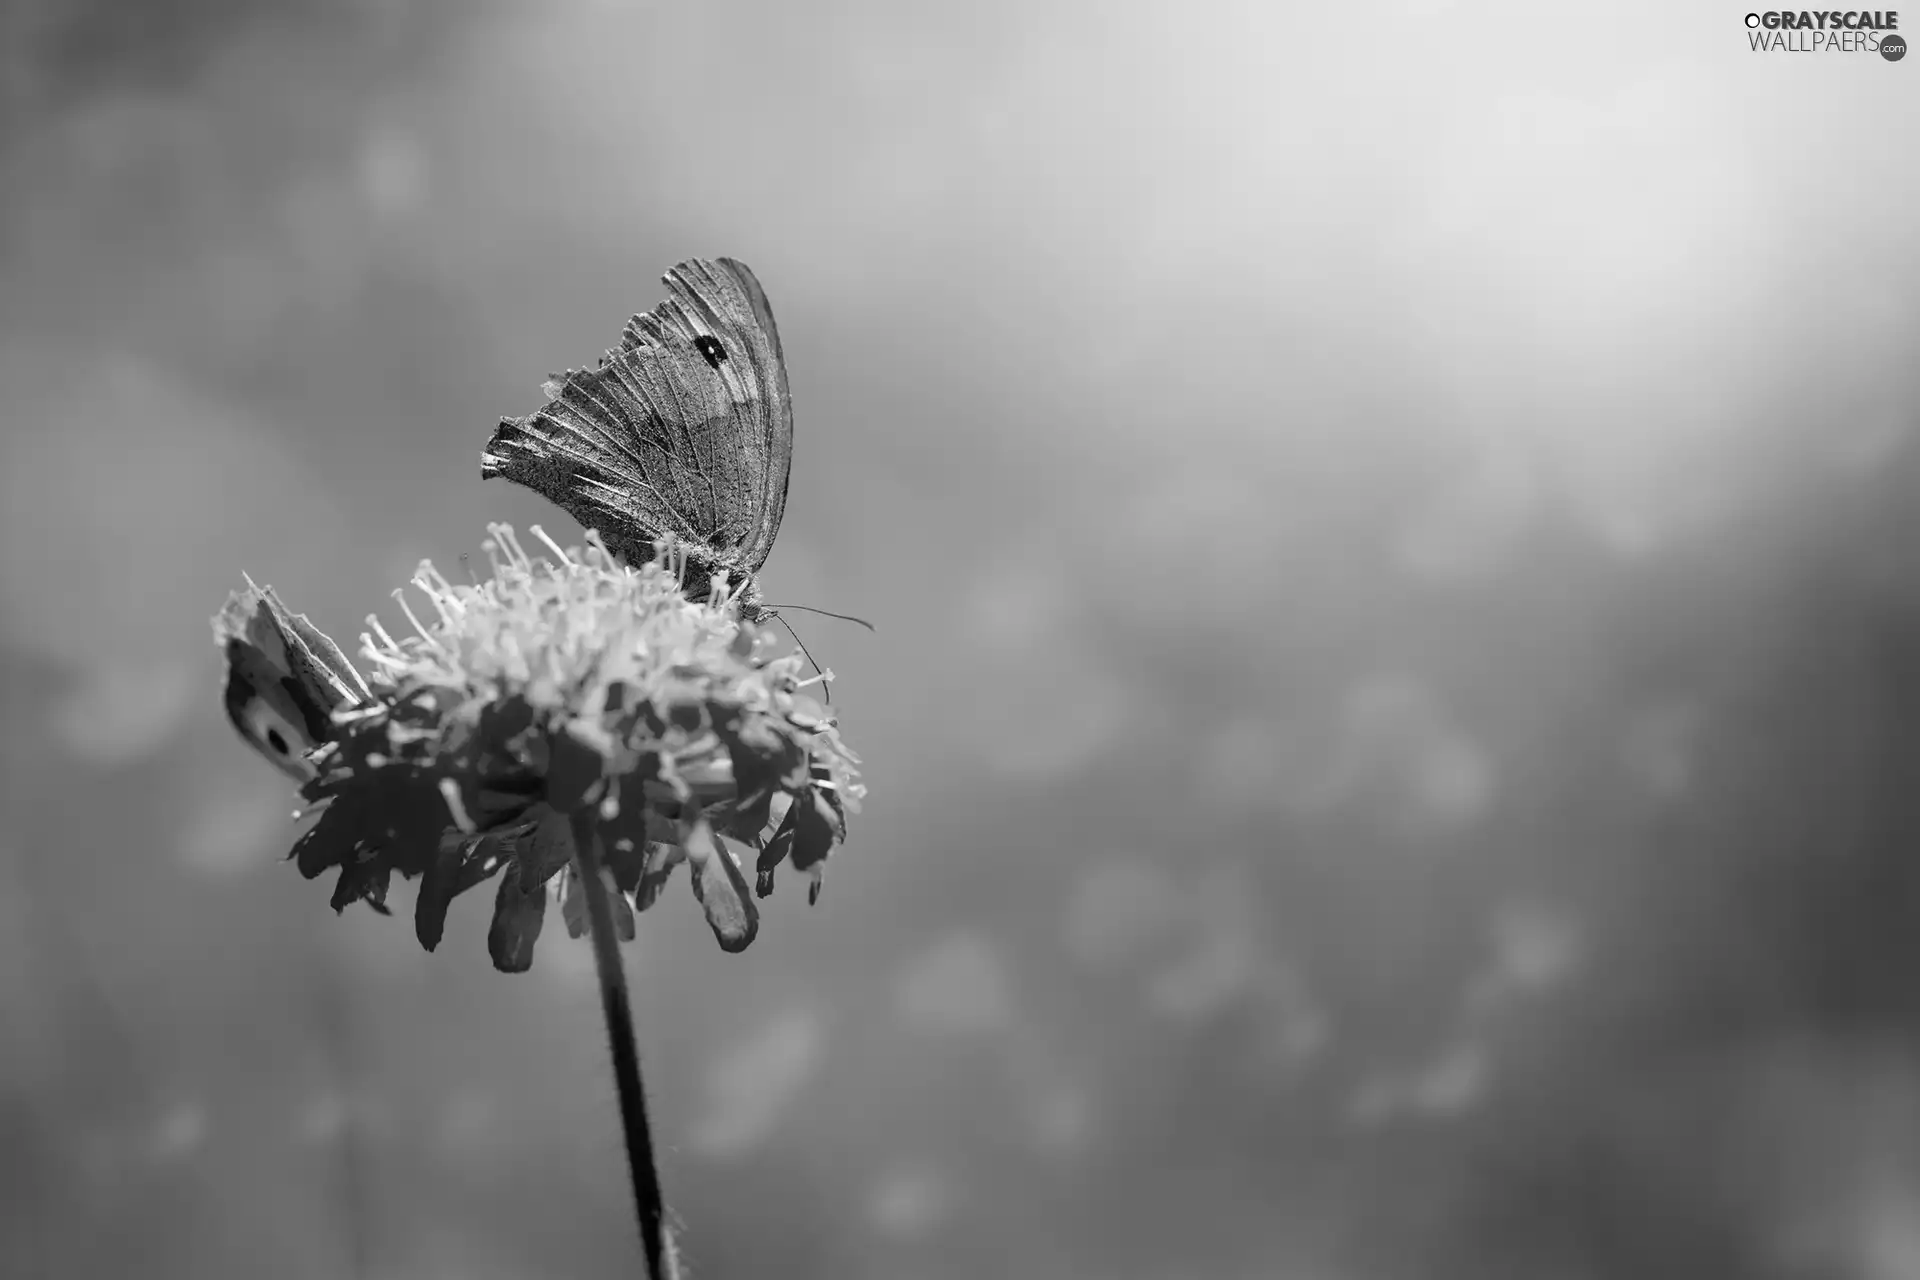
<point>703,567</point>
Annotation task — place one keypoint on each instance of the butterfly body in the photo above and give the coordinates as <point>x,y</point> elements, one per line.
<point>684,428</point>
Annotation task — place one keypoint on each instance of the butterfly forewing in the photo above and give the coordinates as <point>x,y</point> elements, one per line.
<point>685,427</point>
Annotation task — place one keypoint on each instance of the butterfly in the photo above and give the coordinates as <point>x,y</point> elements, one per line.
<point>285,679</point>
<point>685,428</point>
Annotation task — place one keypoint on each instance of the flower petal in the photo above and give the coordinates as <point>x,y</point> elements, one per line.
<point>721,888</point>
<point>459,864</point>
<point>776,850</point>
<point>517,916</point>
<point>662,858</point>
<point>576,769</point>
<point>626,860</point>
<point>633,813</point>
<point>504,720</point>
<point>573,907</point>
<point>329,842</point>
<point>395,813</point>
<point>363,881</point>
<point>573,903</point>
<point>622,914</point>
<point>545,851</point>
<point>815,830</point>
<point>764,761</point>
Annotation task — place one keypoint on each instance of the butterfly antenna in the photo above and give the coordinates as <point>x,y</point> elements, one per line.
<point>826,688</point>
<point>825,613</point>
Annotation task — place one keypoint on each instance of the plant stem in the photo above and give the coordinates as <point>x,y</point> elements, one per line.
<point>333,1016</point>
<point>626,1054</point>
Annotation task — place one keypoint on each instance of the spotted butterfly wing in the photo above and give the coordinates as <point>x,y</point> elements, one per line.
<point>285,679</point>
<point>684,428</point>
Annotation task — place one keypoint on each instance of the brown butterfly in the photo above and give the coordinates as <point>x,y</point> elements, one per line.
<point>685,428</point>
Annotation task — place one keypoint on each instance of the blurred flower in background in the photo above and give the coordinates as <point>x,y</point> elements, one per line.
<point>1430,788</point>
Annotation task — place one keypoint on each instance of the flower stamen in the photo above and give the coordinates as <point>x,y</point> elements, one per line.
<point>457,807</point>
<point>400,594</point>
<point>558,551</point>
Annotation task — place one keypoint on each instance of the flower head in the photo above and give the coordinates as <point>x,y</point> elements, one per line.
<point>556,688</point>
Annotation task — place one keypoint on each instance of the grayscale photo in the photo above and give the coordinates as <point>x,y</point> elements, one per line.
<point>863,641</point>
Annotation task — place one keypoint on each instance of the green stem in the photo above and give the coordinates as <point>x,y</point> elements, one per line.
<point>626,1054</point>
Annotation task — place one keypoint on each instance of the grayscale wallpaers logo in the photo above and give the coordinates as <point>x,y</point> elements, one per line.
<point>1828,31</point>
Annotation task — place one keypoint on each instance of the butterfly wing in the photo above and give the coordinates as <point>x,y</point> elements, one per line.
<point>685,427</point>
<point>285,678</point>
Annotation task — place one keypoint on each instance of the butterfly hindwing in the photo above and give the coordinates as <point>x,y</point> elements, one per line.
<point>285,678</point>
<point>729,296</point>
<point>685,427</point>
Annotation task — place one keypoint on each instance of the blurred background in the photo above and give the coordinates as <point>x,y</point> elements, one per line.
<point>1395,718</point>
